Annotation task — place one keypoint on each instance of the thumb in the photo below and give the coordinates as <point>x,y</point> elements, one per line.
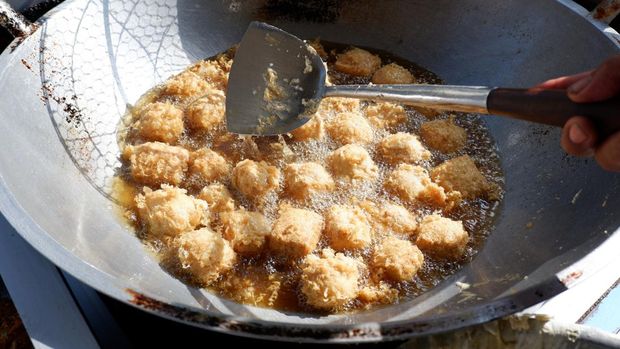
<point>602,84</point>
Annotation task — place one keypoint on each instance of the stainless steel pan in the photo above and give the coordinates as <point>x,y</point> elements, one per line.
<point>64,87</point>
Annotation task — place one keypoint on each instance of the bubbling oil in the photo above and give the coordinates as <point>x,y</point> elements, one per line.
<point>271,281</point>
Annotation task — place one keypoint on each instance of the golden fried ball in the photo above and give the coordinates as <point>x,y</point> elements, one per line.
<point>347,228</point>
<point>205,254</point>
<point>442,237</point>
<point>392,74</point>
<point>357,62</point>
<point>169,211</point>
<point>402,148</point>
<point>329,281</point>
<point>161,122</point>
<point>353,162</point>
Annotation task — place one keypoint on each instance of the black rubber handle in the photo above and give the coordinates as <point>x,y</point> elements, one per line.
<point>553,107</point>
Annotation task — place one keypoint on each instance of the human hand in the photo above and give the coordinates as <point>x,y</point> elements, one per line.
<point>579,137</point>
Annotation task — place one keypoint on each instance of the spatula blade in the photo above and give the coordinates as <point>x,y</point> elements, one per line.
<point>275,81</point>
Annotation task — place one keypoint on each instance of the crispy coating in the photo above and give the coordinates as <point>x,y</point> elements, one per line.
<point>218,197</point>
<point>207,166</point>
<point>296,232</point>
<point>353,162</point>
<point>155,163</point>
<point>443,135</point>
<point>392,74</point>
<point>402,148</point>
<point>255,179</point>
<point>463,176</point>
<point>313,129</point>
<point>205,254</point>
<point>169,211</point>
<point>381,293</point>
<point>397,259</point>
<point>208,112</point>
<point>318,47</point>
<point>386,115</point>
<point>412,184</point>
<point>391,217</point>
<point>247,231</point>
<point>347,228</point>
<point>357,61</point>
<point>330,281</point>
<point>442,237</point>
<point>338,105</point>
<point>255,286</point>
<point>428,112</point>
<point>161,122</point>
<point>214,72</point>
<point>186,85</point>
<point>302,180</point>
<point>349,127</point>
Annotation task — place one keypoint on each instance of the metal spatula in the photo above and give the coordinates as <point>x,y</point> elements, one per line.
<point>277,81</point>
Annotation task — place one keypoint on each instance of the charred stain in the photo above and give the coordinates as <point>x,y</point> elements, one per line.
<point>73,114</point>
<point>26,64</point>
<point>361,332</point>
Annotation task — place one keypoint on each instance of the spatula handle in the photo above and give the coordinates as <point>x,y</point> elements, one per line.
<point>553,107</point>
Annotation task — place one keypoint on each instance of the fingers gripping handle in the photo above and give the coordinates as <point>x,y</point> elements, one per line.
<point>553,107</point>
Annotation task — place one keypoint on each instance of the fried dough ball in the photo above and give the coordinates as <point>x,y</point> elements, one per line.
<point>329,281</point>
<point>428,112</point>
<point>412,184</point>
<point>353,162</point>
<point>296,232</point>
<point>186,85</point>
<point>302,180</point>
<point>348,128</point>
<point>160,122</point>
<point>277,153</point>
<point>338,105</point>
<point>397,259</point>
<point>208,112</point>
<point>461,175</point>
<point>213,72</point>
<point>205,254</point>
<point>442,237</point>
<point>313,129</point>
<point>254,285</point>
<point>402,148</point>
<point>169,211</point>
<point>443,135</point>
<point>246,231</point>
<point>155,163</point>
<point>386,115</point>
<point>207,166</point>
<point>392,74</point>
<point>255,179</point>
<point>318,47</point>
<point>357,62</point>
<point>381,293</point>
<point>391,217</point>
<point>217,196</point>
<point>347,228</point>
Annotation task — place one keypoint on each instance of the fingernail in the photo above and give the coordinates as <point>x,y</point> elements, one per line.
<point>576,135</point>
<point>580,85</point>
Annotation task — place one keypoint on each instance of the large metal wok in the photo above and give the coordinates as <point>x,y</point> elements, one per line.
<point>64,88</point>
